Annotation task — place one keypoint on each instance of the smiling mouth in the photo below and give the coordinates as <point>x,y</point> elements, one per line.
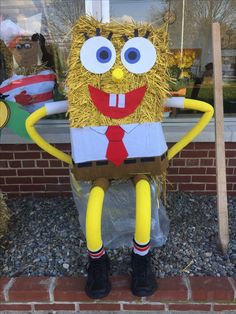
<point>117,106</point>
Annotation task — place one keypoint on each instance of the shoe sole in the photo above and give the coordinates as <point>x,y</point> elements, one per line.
<point>144,293</point>
<point>98,295</point>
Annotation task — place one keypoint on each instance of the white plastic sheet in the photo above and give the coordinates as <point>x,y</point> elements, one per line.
<point>118,219</point>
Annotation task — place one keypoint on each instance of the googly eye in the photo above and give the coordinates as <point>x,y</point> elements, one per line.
<point>97,55</point>
<point>18,46</point>
<point>138,55</point>
<point>27,46</point>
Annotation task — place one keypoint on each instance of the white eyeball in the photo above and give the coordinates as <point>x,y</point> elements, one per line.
<point>138,55</point>
<point>97,55</point>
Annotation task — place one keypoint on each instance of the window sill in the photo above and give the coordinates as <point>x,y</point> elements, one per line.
<point>57,131</point>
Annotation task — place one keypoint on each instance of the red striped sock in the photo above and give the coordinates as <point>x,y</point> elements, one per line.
<point>141,249</point>
<point>97,254</point>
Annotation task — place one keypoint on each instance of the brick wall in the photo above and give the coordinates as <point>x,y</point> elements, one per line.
<point>26,170</point>
<point>44,294</point>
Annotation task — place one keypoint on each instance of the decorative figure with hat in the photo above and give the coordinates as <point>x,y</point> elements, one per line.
<point>117,89</point>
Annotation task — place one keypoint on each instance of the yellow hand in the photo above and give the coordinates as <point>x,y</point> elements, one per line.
<point>30,122</point>
<point>197,129</point>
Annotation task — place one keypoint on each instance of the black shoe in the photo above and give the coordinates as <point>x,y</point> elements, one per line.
<point>98,284</point>
<point>143,279</point>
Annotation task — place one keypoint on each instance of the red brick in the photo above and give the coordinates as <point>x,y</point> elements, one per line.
<point>3,282</point>
<point>192,162</point>
<point>54,307</point>
<point>10,188</point>
<point>204,145</point>
<point>179,178</point>
<point>99,307</point>
<point>173,170</point>
<point>18,180</point>
<point>232,162</point>
<point>212,154</point>
<point>70,289</point>
<point>225,307</point>
<point>144,307</point>
<point>191,187</point>
<point>47,155</point>
<point>206,162</point>
<point>230,170</point>
<point>28,163</point>
<point>27,155</point>
<point>63,146</point>
<point>211,289</point>
<point>33,147</point>
<point>210,187</point>
<point>189,307</point>
<point>3,164</point>
<point>230,153</point>
<point>30,289</point>
<point>231,178</point>
<point>192,170</point>
<point>45,180</point>
<point>30,172</point>
<point>178,162</point>
<point>42,163</point>
<point>170,289</point>
<point>15,307</point>
<point>194,153</point>
<point>55,163</point>
<point>56,172</point>
<point>230,145</point>
<point>58,187</point>
<point>211,170</point>
<point>203,178</point>
<point>14,164</point>
<point>32,187</point>
<point>6,156</point>
<point>64,179</point>
<point>2,181</point>
<point>13,147</point>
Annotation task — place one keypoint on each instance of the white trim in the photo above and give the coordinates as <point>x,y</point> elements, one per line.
<point>100,9</point>
<point>57,131</point>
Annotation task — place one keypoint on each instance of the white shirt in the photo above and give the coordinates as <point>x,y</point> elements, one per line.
<point>140,140</point>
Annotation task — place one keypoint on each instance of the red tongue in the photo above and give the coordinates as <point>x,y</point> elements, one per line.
<point>101,101</point>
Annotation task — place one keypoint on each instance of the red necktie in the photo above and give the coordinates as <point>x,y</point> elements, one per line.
<point>116,151</point>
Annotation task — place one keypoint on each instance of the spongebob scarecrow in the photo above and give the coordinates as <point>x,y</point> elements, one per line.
<point>117,90</point>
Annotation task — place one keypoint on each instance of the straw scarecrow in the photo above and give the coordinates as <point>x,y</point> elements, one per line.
<point>117,89</point>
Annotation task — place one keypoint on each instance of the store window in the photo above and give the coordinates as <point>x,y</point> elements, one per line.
<point>189,29</point>
<point>35,42</point>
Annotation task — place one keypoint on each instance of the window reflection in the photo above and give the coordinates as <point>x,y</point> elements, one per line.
<point>189,28</point>
<point>35,41</point>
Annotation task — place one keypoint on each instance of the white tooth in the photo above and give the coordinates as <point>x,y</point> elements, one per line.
<point>112,100</point>
<point>121,100</point>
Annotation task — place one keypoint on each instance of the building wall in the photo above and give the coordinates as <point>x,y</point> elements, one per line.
<point>25,170</point>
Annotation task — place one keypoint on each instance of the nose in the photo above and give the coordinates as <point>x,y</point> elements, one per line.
<point>117,75</point>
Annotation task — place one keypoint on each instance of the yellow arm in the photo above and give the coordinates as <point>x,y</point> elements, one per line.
<point>197,129</point>
<point>30,122</point>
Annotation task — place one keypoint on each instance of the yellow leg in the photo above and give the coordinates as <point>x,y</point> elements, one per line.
<point>94,216</point>
<point>143,210</point>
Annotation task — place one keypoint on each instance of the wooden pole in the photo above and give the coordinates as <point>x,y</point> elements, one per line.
<point>219,138</point>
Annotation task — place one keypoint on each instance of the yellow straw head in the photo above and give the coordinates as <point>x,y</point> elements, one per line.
<point>118,79</point>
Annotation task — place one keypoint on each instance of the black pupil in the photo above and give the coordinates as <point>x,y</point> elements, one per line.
<point>132,55</point>
<point>104,54</point>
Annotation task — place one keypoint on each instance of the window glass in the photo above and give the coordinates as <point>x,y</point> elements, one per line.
<point>35,41</point>
<point>189,29</point>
